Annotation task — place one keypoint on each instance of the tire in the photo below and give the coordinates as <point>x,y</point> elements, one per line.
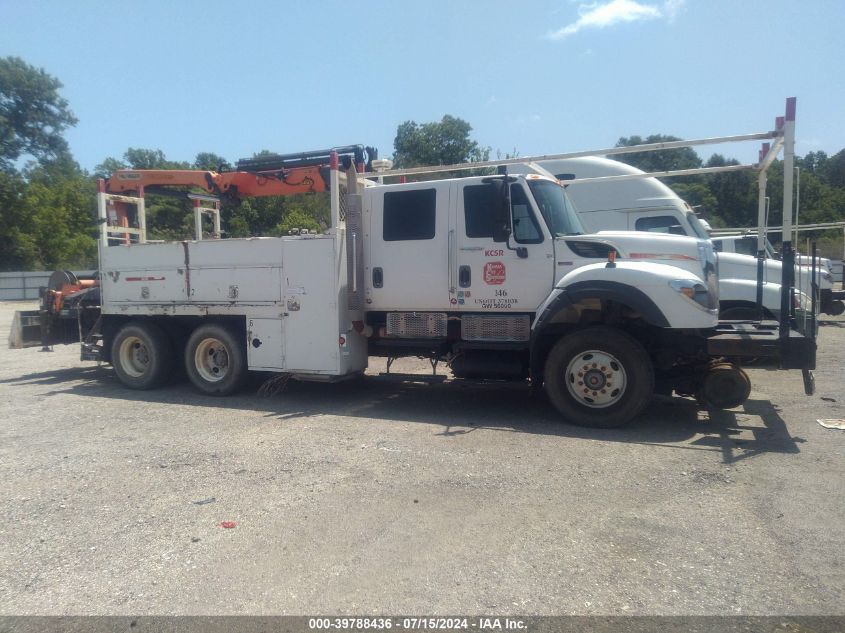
<point>618,367</point>
<point>215,360</point>
<point>142,355</point>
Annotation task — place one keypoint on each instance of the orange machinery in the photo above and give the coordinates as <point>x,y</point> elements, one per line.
<point>264,175</point>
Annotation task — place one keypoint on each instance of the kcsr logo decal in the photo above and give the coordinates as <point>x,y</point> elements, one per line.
<point>494,273</point>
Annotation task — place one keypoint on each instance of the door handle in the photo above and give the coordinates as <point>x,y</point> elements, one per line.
<point>378,277</point>
<point>354,262</point>
<point>465,276</point>
<point>451,255</point>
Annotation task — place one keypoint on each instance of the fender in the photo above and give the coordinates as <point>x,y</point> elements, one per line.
<point>562,298</point>
<point>745,291</point>
<point>598,289</point>
<point>641,285</point>
<point>628,283</point>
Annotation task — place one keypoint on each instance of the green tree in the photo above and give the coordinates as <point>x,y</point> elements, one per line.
<point>139,158</point>
<point>209,161</point>
<point>444,142</point>
<point>58,208</point>
<point>33,116</point>
<point>108,167</point>
<point>661,160</point>
<point>16,246</point>
<point>734,193</point>
<point>833,171</point>
<point>296,219</point>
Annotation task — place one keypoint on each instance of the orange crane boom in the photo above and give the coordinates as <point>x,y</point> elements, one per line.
<point>233,184</point>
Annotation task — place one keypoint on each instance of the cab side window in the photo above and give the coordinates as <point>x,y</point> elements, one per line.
<point>409,215</point>
<point>746,246</point>
<point>525,227</point>
<point>479,201</point>
<point>660,224</point>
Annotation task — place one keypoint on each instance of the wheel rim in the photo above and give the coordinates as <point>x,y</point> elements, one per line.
<point>134,356</point>
<point>596,379</point>
<point>212,360</point>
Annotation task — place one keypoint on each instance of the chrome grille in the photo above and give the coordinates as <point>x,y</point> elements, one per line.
<point>496,328</point>
<point>416,324</point>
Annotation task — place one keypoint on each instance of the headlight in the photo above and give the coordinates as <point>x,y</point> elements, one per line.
<point>710,270</point>
<point>800,301</point>
<point>693,290</point>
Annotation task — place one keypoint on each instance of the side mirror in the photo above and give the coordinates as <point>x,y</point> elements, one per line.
<point>501,211</point>
<point>778,255</point>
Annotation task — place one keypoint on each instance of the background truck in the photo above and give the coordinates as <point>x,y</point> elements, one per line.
<point>646,204</point>
<point>492,274</point>
<point>830,299</point>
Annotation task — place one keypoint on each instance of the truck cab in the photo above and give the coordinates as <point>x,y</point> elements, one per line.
<point>436,246</point>
<point>497,276</point>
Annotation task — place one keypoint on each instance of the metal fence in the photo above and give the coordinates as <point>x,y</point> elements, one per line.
<point>24,285</point>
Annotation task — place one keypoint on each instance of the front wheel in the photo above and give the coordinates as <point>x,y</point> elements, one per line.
<point>599,377</point>
<point>215,360</point>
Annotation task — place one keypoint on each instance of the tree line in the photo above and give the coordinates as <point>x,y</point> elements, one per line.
<point>48,202</point>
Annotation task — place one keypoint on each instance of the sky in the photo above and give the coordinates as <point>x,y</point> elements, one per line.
<point>533,77</point>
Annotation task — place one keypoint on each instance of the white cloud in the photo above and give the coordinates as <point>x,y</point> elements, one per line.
<point>671,8</point>
<point>603,15</point>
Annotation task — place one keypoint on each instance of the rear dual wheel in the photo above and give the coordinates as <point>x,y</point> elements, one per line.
<point>215,360</point>
<point>142,355</point>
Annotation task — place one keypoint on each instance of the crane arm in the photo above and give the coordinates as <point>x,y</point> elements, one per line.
<point>234,184</point>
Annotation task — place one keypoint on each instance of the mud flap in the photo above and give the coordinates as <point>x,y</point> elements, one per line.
<point>809,381</point>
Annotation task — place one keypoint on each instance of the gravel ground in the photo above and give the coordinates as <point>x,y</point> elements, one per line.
<point>412,498</point>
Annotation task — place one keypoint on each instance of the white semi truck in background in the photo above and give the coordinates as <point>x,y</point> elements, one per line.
<point>647,204</point>
<point>494,275</point>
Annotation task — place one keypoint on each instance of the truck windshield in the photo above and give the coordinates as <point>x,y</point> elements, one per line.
<point>697,226</point>
<point>557,210</point>
<point>770,250</point>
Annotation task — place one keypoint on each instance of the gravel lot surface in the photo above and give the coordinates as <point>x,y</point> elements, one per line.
<point>412,498</point>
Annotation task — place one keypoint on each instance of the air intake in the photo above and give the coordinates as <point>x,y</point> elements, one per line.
<point>416,324</point>
<point>592,250</point>
<point>495,328</point>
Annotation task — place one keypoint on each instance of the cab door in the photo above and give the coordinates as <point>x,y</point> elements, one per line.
<point>490,276</point>
<point>408,238</point>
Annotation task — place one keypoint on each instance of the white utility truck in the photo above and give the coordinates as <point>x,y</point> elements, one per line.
<point>647,204</point>
<point>493,275</point>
